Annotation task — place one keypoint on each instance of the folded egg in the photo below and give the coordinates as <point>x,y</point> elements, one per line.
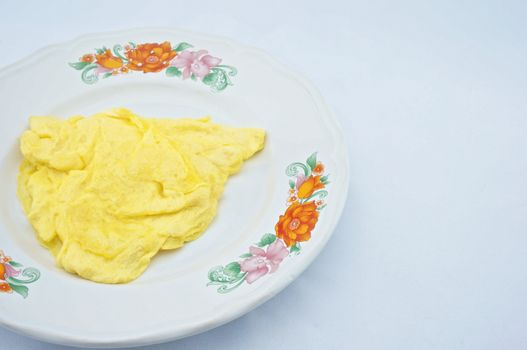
<point>106,193</point>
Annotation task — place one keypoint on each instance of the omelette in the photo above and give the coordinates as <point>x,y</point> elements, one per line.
<point>106,193</point>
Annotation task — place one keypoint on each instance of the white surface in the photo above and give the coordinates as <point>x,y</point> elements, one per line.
<point>432,249</point>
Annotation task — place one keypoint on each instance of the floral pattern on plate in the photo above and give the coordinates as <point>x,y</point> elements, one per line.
<point>178,61</point>
<point>14,277</point>
<point>307,185</point>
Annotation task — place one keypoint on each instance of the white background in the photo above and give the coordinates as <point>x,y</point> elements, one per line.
<point>431,252</point>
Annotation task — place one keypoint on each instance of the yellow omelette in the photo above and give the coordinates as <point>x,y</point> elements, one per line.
<point>106,193</point>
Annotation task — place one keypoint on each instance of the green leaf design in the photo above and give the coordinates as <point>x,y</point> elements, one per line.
<point>291,184</point>
<point>100,51</point>
<point>210,78</point>
<point>246,255</point>
<point>217,79</point>
<point>79,65</point>
<point>227,278</point>
<point>293,169</point>
<point>88,76</point>
<point>322,207</point>
<point>22,290</point>
<point>324,179</point>
<point>30,274</point>
<point>118,51</point>
<point>233,269</point>
<point>320,194</point>
<point>266,239</point>
<point>15,264</point>
<point>312,160</point>
<point>173,72</point>
<point>106,75</point>
<point>182,47</point>
<point>230,70</point>
<point>295,249</point>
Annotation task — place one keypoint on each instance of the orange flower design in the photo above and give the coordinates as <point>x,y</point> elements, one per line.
<point>319,169</point>
<point>5,288</point>
<point>2,272</point>
<point>309,186</point>
<point>297,223</point>
<point>88,58</point>
<point>151,57</point>
<point>109,61</point>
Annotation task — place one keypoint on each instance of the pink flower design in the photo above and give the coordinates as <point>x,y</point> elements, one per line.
<point>10,271</point>
<point>197,62</point>
<point>263,262</point>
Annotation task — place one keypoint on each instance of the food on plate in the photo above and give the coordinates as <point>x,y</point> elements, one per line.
<point>106,193</point>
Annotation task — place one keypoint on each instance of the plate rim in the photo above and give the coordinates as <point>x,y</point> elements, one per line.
<point>195,327</point>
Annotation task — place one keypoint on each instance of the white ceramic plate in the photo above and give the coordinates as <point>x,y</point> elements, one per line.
<point>205,283</point>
